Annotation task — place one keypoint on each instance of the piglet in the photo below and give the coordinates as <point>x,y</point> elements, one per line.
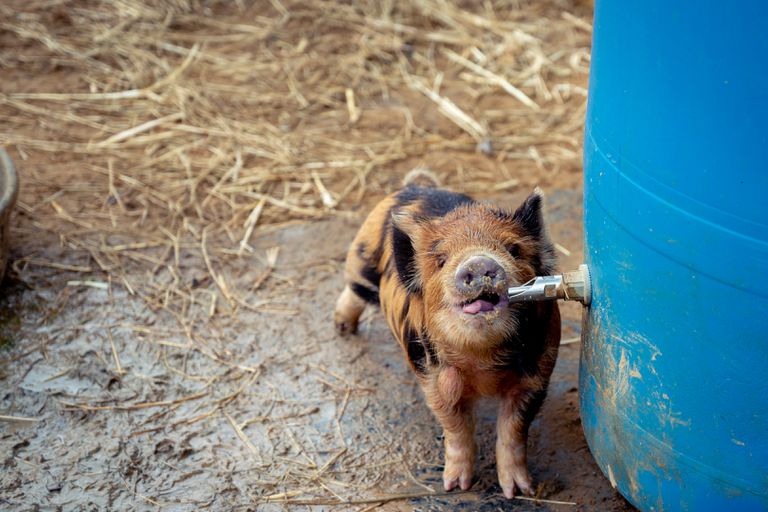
<point>439,264</point>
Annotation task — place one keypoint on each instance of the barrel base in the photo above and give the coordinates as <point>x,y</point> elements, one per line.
<point>648,472</point>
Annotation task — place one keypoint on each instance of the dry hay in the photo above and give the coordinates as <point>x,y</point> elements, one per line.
<point>176,123</point>
<point>168,136</point>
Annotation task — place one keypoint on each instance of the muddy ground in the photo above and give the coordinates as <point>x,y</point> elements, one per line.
<point>192,172</point>
<point>343,415</point>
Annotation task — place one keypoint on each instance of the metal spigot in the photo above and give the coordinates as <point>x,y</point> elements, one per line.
<point>574,285</point>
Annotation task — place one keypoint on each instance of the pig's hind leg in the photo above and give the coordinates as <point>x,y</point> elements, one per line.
<point>349,307</point>
<point>362,287</point>
<point>362,272</point>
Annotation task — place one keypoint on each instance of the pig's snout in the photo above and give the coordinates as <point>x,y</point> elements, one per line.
<point>479,273</point>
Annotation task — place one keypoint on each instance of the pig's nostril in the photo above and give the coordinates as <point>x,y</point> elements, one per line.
<point>478,272</point>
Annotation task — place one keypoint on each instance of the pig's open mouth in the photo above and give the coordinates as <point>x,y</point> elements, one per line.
<point>486,302</point>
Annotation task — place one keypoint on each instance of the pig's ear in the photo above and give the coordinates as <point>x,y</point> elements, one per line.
<point>529,215</point>
<point>407,230</point>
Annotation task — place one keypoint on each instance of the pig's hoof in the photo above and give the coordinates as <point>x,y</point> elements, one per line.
<point>345,328</point>
<point>457,474</point>
<point>517,481</point>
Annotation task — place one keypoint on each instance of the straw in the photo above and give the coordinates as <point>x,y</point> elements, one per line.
<point>161,143</point>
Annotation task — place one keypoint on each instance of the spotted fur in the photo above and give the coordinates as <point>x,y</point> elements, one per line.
<point>405,258</point>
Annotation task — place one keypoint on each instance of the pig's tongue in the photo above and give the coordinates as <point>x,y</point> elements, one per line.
<point>477,306</point>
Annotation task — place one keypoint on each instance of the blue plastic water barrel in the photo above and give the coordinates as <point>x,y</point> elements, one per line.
<point>674,365</point>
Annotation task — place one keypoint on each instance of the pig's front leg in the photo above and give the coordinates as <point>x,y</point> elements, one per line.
<point>516,411</point>
<point>456,415</point>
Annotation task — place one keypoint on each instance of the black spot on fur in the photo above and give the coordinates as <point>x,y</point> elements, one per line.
<point>370,273</point>
<point>405,260</point>
<point>417,356</point>
<point>365,293</point>
<point>421,352</point>
<point>435,202</point>
<point>415,350</point>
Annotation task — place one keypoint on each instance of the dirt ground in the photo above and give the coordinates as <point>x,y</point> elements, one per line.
<point>347,411</point>
<point>192,173</point>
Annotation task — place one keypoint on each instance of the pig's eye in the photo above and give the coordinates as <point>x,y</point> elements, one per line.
<point>514,250</point>
<point>441,260</point>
